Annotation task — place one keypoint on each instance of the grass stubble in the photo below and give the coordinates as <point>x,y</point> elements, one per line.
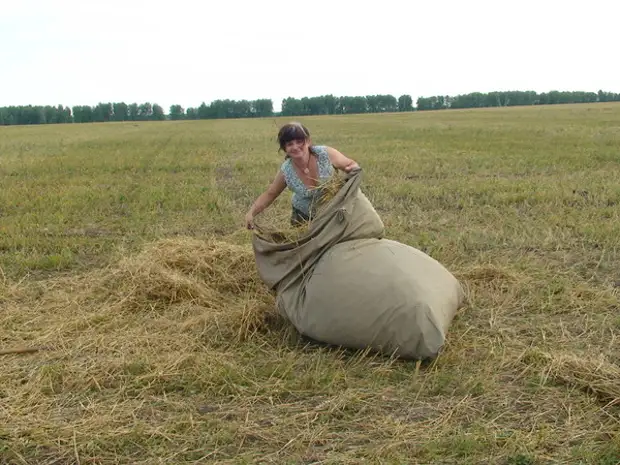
<point>125,264</point>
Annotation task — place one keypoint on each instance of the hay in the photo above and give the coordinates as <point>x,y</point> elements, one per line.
<point>218,280</point>
<point>207,286</point>
<point>271,229</point>
<point>169,271</point>
<point>598,377</point>
<point>168,321</point>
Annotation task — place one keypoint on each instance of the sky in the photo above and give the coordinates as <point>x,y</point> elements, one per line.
<point>187,52</point>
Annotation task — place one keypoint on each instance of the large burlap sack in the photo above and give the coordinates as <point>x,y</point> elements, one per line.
<point>381,294</point>
<point>343,283</point>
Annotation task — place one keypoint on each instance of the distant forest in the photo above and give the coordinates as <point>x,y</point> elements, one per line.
<point>320,105</point>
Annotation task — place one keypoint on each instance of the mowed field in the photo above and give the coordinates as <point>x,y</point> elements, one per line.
<point>125,261</point>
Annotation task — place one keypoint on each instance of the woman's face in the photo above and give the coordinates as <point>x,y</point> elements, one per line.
<point>297,148</point>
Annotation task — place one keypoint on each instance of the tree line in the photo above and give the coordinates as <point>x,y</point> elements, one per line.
<point>512,98</point>
<point>306,106</point>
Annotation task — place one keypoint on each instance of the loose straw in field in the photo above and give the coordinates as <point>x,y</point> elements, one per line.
<point>597,376</point>
<point>213,275</point>
<point>207,286</point>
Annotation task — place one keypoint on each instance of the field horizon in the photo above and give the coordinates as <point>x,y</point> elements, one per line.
<point>125,265</point>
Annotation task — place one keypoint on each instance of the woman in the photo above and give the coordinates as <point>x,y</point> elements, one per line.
<point>304,168</point>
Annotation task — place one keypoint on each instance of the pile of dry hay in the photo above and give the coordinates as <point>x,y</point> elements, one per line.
<point>273,231</point>
<point>215,277</point>
<point>177,318</point>
<point>201,287</point>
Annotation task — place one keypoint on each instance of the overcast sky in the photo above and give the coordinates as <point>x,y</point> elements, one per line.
<point>188,51</point>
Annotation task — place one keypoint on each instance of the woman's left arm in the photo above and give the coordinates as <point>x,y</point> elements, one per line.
<point>340,161</point>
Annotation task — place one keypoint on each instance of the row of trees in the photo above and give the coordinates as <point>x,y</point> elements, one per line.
<point>225,109</point>
<point>320,105</point>
<point>331,105</point>
<point>102,112</point>
<point>513,98</point>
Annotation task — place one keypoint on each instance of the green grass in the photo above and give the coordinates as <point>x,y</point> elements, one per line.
<point>124,257</point>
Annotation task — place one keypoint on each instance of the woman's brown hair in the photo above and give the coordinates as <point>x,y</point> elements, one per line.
<point>292,131</point>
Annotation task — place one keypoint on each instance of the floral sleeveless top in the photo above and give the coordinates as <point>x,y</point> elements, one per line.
<point>304,197</point>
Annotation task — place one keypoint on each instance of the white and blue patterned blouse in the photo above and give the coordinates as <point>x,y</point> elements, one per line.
<point>304,197</point>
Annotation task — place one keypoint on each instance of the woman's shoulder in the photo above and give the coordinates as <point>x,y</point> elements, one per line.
<point>320,149</point>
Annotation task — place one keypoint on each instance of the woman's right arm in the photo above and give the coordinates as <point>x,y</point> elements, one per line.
<point>263,201</point>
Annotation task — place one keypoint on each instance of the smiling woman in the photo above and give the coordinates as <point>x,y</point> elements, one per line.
<point>305,167</point>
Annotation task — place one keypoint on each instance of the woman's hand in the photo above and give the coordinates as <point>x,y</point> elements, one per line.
<point>249,220</point>
<point>351,166</point>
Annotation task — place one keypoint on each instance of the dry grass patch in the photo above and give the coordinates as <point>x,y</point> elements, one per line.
<point>596,376</point>
<point>175,355</point>
<point>159,323</point>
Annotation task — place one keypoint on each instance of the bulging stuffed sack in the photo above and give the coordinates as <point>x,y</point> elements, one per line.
<point>344,283</point>
<point>381,294</point>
